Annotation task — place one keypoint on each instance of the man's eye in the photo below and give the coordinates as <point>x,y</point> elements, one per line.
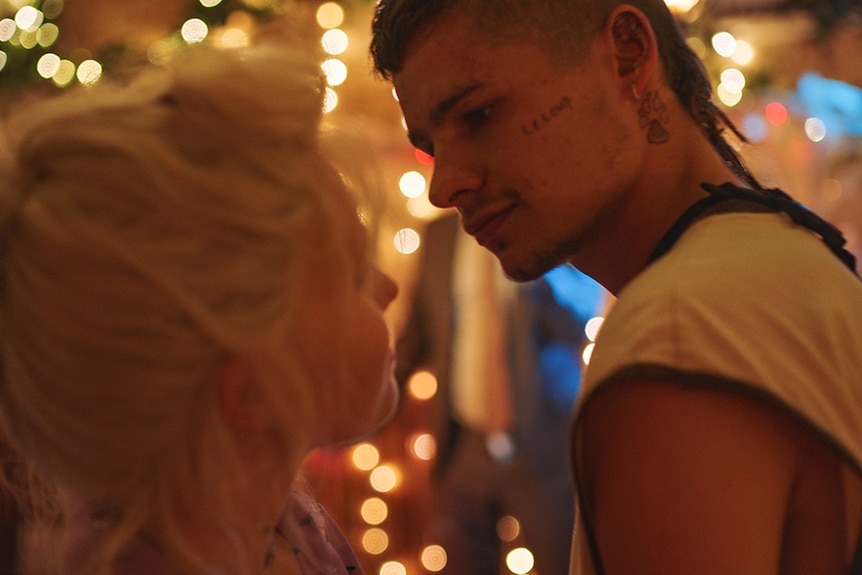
<point>478,116</point>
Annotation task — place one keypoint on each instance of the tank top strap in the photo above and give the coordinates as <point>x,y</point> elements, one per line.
<point>731,198</point>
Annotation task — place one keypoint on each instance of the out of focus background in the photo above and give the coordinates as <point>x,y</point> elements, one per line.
<point>788,72</point>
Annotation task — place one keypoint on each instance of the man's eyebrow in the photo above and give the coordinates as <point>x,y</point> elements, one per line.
<point>438,114</point>
<point>441,110</point>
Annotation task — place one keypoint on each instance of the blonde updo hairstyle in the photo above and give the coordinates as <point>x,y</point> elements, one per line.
<point>147,233</point>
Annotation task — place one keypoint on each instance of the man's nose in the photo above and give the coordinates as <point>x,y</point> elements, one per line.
<point>452,180</point>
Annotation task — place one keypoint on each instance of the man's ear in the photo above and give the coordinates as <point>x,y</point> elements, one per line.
<point>239,397</point>
<point>634,45</point>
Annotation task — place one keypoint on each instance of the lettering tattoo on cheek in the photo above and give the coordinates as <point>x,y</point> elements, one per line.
<point>547,117</point>
<point>653,116</point>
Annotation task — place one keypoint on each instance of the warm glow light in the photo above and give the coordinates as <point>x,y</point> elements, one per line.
<point>434,558</point>
<point>423,446</point>
<point>815,129</point>
<point>89,72</point>
<point>733,80</point>
<point>51,8</point>
<point>48,65</point>
<point>335,71</point>
<point>375,541</point>
<point>194,30</point>
<point>412,184</point>
<point>508,528</point>
<point>47,34</point>
<point>728,97</point>
<point>743,54</point>
<point>593,326</point>
<point>330,100</point>
<point>374,511</point>
<point>65,73</point>
<point>233,38</point>
<point>520,561</point>
<point>393,568</point>
<point>395,95</point>
<point>3,58</point>
<point>330,15</point>
<point>776,113</point>
<point>422,385</point>
<point>210,3</point>
<point>365,457</point>
<point>384,479</point>
<point>28,39</point>
<point>335,41</point>
<point>587,354</point>
<point>7,29</point>
<point>406,241</point>
<point>29,18</point>
<point>724,44</point>
<point>681,6</point>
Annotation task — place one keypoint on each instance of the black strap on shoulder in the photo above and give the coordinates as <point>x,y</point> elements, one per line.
<point>773,200</point>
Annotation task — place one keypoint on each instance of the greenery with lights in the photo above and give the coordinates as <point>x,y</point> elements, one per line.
<point>21,49</point>
<point>23,46</point>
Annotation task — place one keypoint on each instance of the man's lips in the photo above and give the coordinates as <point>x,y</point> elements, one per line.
<point>484,226</point>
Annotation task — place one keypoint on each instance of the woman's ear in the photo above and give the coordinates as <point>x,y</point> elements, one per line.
<point>634,46</point>
<point>240,398</point>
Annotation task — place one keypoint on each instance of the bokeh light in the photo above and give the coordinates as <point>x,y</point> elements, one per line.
<point>776,113</point>
<point>335,71</point>
<point>365,457</point>
<point>593,326</point>
<point>330,100</point>
<point>434,558</point>
<point>48,65</point>
<point>815,129</point>
<point>724,44</point>
<point>374,511</point>
<point>520,561</point>
<point>412,184</point>
<point>329,15</point>
<point>422,385</point>
<point>47,34</point>
<point>383,479</point>
<point>194,30</point>
<point>65,73</point>
<point>587,354</point>
<point>89,72</point>
<point>375,541</point>
<point>335,41</point>
<point>7,29</point>
<point>29,18</point>
<point>508,528</point>
<point>743,54</point>
<point>406,241</point>
<point>393,568</point>
<point>423,446</point>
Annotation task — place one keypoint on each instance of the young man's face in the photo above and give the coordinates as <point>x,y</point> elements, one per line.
<point>537,157</point>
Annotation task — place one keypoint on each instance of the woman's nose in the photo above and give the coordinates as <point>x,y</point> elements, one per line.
<point>386,290</point>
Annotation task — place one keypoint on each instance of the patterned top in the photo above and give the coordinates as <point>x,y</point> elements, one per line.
<point>305,527</point>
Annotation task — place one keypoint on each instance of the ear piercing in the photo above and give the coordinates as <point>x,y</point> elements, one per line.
<point>635,93</point>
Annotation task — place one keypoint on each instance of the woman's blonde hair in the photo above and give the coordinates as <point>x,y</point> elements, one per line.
<point>147,233</point>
